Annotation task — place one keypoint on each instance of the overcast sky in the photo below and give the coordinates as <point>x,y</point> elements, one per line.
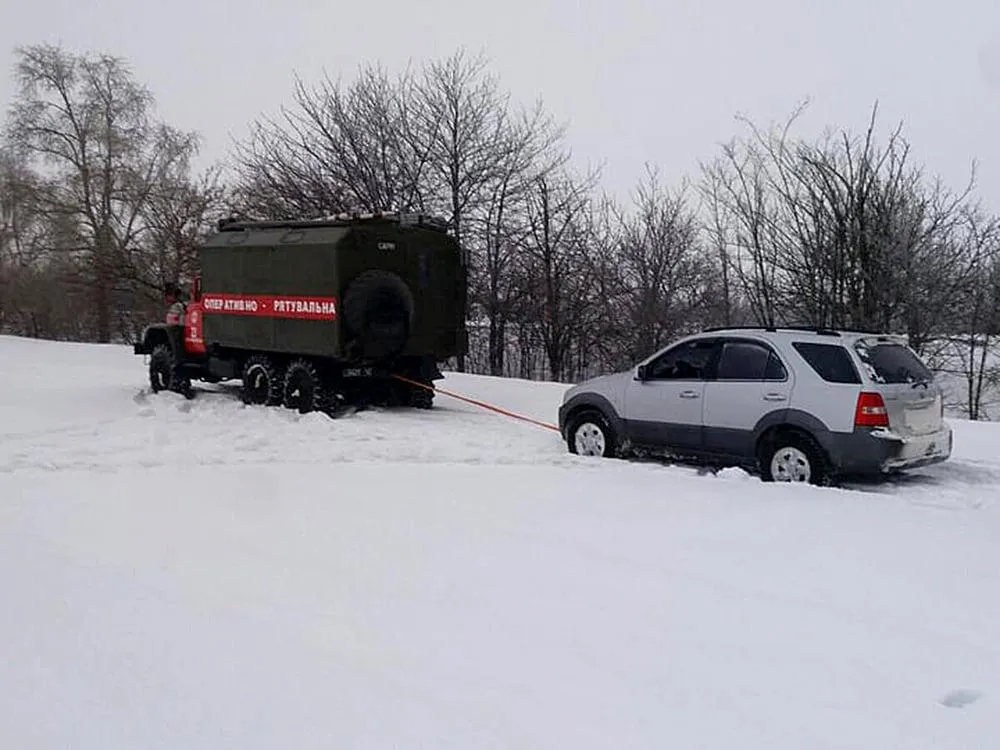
<point>636,81</point>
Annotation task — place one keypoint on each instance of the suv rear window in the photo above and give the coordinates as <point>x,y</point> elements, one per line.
<point>831,362</point>
<point>893,363</point>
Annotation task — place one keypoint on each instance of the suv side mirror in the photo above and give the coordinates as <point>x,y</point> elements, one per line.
<point>641,372</point>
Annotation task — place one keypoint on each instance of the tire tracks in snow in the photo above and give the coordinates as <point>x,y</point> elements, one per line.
<point>217,429</point>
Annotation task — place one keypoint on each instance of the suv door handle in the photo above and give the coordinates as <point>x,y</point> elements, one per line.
<point>774,397</point>
<point>689,394</point>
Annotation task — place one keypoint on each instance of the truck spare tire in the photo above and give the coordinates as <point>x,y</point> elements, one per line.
<point>378,313</point>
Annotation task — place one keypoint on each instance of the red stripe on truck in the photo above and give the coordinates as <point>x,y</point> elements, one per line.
<point>270,306</point>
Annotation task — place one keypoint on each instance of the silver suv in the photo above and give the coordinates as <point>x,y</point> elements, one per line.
<point>793,404</point>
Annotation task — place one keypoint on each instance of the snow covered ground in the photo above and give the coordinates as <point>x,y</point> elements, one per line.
<point>205,575</point>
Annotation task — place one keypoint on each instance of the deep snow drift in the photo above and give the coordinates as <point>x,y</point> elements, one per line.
<point>204,575</point>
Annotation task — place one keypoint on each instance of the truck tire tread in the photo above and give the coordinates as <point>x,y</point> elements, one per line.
<point>268,392</point>
<point>302,389</point>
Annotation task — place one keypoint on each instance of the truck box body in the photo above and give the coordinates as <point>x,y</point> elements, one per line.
<point>264,268</point>
<point>281,288</point>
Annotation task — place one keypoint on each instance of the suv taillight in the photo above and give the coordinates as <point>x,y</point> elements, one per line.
<point>871,411</point>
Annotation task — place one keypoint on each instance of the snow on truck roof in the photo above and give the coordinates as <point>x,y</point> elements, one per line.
<point>426,221</point>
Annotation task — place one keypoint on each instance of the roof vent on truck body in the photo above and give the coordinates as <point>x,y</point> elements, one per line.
<point>426,221</point>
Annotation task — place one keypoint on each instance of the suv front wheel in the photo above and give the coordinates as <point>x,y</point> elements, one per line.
<point>590,434</point>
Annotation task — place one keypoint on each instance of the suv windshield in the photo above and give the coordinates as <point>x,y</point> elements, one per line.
<point>892,363</point>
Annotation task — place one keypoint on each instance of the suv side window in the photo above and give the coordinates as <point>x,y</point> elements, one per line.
<point>747,360</point>
<point>688,361</point>
<point>831,362</point>
<point>775,369</point>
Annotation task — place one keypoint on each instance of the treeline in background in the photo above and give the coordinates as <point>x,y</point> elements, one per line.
<point>100,206</point>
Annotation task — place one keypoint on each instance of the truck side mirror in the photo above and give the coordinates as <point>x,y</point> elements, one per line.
<point>641,372</point>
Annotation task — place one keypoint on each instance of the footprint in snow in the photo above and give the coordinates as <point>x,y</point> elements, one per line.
<point>960,698</point>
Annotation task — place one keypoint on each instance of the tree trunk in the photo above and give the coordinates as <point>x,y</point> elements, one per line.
<point>497,343</point>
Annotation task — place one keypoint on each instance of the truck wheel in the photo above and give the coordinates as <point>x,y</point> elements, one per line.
<point>421,398</point>
<point>161,368</point>
<point>378,313</point>
<point>262,382</point>
<point>302,387</point>
<point>164,375</point>
<point>412,395</point>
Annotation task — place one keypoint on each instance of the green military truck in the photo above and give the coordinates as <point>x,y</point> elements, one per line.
<point>318,314</point>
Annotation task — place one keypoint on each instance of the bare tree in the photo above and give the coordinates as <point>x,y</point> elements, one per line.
<point>881,232</point>
<point>362,147</point>
<point>735,190</point>
<point>37,294</point>
<point>179,215</point>
<point>840,232</point>
<point>478,139</point>
<point>498,227</point>
<point>20,237</point>
<point>88,126</point>
<point>968,347</point>
<point>473,153</point>
<point>558,276</point>
<point>663,271</point>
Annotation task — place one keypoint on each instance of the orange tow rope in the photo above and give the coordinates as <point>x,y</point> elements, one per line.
<point>481,404</point>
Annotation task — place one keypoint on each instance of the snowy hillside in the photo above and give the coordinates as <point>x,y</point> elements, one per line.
<point>204,575</point>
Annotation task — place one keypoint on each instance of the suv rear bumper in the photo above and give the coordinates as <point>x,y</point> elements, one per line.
<point>881,451</point>
<point>917,451</point>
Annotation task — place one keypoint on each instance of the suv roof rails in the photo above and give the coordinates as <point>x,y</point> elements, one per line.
<point>819,330</point>
<point>336,220</point>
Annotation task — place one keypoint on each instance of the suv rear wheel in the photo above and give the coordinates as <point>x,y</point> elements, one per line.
<point>792,456</point>
<point>590,434</point>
